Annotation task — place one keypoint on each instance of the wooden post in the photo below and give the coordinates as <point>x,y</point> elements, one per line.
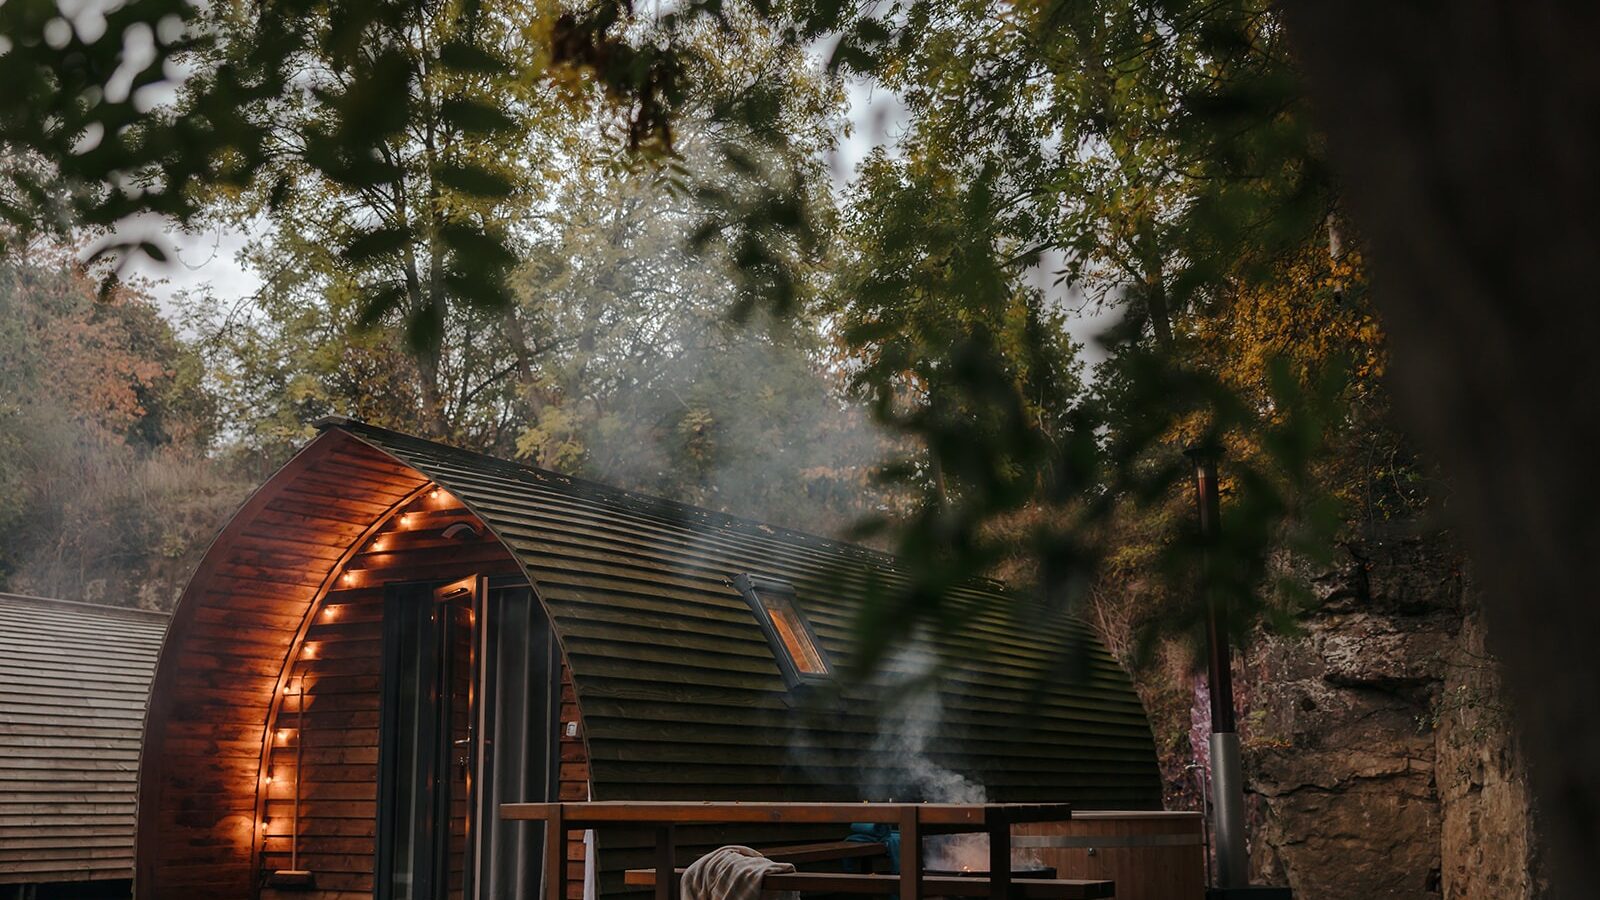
<point>666,864</point>
<point>998,826</point>
<point>555,854</point>
<point>910,852</point>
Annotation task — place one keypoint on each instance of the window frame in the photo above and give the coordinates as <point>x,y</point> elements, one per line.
<point>753,589</point>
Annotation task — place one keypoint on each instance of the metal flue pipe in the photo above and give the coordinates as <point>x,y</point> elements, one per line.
<point>1227,775</point>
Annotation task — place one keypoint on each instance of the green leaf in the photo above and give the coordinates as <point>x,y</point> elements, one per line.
<point>425,328</point>
<point>474,180</point>
<point>475,116</point>
<point>378,302</point>
<point>376,244</point>
<point>469,58</point>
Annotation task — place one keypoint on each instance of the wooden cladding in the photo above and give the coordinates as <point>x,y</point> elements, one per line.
<point>226,661</point>
<point>682,696</point>
<point>73,683</point>
<point>291,597</point>
<point>340,662</point>
<point>574,779</point>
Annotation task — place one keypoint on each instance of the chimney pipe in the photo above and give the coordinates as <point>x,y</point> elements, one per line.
<point>1227,776</point>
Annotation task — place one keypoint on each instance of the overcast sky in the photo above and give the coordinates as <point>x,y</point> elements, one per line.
<point>210,258</point>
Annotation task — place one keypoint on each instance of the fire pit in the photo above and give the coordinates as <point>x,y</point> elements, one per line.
<point>1017,871</point>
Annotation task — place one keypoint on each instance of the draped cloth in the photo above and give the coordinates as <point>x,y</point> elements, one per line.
<point>732,873</point>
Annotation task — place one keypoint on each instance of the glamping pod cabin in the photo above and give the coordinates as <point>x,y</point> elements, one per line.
<point>393,637</point>
<point>73,682</point>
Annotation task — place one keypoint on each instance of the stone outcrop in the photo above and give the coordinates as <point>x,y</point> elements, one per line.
<point>1488,842</point>
<point>1374,742</point>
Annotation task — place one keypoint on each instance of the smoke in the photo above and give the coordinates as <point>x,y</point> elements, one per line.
<point>902,767</point>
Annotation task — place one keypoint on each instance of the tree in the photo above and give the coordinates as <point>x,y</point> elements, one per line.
<point>105,490</point>
<point>618,357</point>
<point>1464,138</point>
<point>422,222</point>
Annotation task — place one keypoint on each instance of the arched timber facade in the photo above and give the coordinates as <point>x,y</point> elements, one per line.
<point>267,708</point>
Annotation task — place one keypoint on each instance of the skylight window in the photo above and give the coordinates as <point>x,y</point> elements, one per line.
<point>799,654</point>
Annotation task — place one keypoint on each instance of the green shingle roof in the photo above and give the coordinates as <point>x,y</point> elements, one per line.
<point>682,698</point>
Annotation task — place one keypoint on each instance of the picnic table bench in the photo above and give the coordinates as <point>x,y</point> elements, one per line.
<point>915,821</point>
<point>827,851</point>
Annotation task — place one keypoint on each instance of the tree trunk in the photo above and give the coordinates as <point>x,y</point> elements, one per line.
<point>518,339</point>
<point>1154,294</point>
<point>432,398</point>
<point>1468,136</point>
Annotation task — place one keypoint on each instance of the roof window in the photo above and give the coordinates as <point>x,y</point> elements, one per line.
<point>799,654</point>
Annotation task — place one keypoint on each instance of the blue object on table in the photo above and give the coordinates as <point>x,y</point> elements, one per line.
<point>875,833</point>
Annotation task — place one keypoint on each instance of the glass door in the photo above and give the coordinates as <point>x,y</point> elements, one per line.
<point>426,749</point>
<point>470,715</point>
<point>519,719</point>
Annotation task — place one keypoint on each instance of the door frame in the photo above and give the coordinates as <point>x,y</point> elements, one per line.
<point>487,698</point>
<point>431,832</point>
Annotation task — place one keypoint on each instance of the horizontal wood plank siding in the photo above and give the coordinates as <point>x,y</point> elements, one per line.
<point>667,657</point>
<point>74,678</point>
<point>339,662</point>
<point>227,658</point>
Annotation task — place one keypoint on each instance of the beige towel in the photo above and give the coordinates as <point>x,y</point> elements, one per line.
<point>732,873</point>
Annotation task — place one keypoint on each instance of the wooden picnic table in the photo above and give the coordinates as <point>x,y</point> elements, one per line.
<point>915,821</point>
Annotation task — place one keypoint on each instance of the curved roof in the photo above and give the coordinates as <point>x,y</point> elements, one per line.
<point>73,683</point>
<point>669,662</point>
<point>678,690</point>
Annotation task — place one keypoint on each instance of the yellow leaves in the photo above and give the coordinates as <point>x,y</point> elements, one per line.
<point>553,441</point>
<point>697,431</point>
<point>1310,310</point>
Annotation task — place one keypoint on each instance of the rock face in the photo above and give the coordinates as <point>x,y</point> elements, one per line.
<point>1374,742</point>
<point>1489,842</point>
